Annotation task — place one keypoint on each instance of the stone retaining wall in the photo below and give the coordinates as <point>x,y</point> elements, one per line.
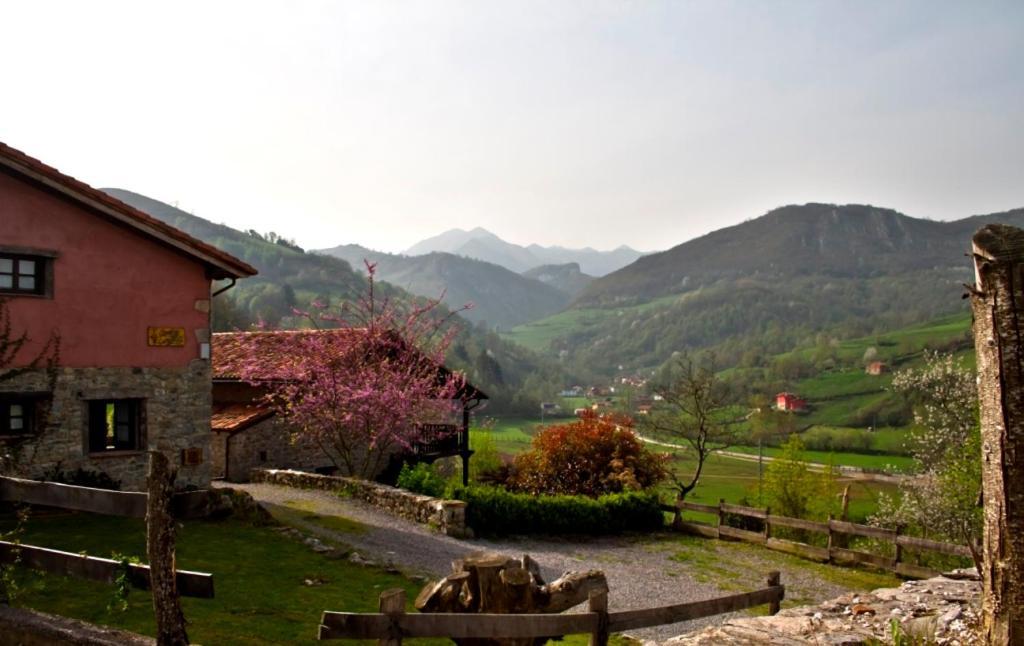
<point>449,516</point>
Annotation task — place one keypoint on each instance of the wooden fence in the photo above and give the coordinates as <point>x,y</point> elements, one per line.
<point>392,624</point>
<point>100,501</point>
<point>833,552</point>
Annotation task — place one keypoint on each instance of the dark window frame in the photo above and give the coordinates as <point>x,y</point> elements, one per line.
<point>40,275</point>
<point>103,428</point>
<point>31,413</point>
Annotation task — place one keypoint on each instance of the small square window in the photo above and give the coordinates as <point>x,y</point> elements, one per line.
<point>22,274</point>
<point>115,425</point>
<point>16,417</point>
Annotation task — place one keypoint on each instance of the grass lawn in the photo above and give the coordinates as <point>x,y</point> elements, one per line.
<point>269,588</point>
<point>260,579</point>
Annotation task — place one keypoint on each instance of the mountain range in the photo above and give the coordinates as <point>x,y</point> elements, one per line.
<point>481,244</point>
<point>798,275</point>
<point>501,298</point>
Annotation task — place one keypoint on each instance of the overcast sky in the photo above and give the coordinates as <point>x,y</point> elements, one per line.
<point>574,123</point>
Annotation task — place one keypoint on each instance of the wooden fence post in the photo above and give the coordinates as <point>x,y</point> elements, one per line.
<point>767,524</point>
<point>831,537</point>
<point>773,580</point>
<point>392,604</point>
<point>170,620</point>
<point>598,603</point>
<point>898,556</point>
<point>997,303</point>
<point>721,512</point>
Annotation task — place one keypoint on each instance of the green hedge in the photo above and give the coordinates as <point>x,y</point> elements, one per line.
<point>494,511</point>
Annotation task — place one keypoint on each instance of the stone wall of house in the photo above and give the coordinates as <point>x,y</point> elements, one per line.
<point>449,516</point>
<point>269,444</point>
<point>176,411</point>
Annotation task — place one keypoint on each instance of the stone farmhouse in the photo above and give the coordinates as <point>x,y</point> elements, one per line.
<point>249,434</point>
<point>130,298</point>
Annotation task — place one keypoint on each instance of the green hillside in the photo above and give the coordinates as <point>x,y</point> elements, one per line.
<point>761,288</point>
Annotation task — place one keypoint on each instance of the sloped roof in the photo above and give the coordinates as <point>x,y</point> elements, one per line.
<point>230,351</point>
<point>221,264</point>
<point>229,418</point>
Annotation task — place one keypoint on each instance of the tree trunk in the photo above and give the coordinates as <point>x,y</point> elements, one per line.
<point>997,302</point>
<point>170,621</point>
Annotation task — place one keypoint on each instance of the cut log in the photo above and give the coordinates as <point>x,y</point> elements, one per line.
<point>486,582</point>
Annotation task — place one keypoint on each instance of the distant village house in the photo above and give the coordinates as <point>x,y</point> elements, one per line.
<point>877,368</point>
<point>790,403</point>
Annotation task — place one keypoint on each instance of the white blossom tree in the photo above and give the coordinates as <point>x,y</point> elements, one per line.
<point>943,498</point>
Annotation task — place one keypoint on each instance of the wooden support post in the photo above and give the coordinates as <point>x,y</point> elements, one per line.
<point>898,556</point>
<point>773,580</point>
<point>170,620</point>
<point>392,604</point>
<point>831,537</point>
<point>721,512</point>
<point>998,305</point>
<point>464,448</point>
<point>598,603</point>
<point>767,523</point>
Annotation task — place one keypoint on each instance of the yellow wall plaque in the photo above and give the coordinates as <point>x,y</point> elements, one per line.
<point>166,337</point>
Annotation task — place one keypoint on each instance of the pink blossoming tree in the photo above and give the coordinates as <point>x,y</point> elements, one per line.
<point>360,383</point>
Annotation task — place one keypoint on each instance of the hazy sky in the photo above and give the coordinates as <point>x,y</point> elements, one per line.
<point>575,123</point>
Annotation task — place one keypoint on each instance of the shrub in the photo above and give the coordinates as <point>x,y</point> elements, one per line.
<point>592,456</point>
<point>422,479</point>
<point>495,511</point>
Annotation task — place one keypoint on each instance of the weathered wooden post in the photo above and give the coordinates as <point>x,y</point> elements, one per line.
<point>773,580</point>
<point>998,305</point>
<point>392,604</point>
<point>170,620</point>
<point>598,603</point>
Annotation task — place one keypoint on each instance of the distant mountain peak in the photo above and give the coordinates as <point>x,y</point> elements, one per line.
<point>481,244</point>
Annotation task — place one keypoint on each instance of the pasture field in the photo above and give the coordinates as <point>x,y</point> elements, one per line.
<point>538,335</point>
<point>876,462</point>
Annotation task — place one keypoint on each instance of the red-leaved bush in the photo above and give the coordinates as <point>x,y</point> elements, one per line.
<point>592,456</point>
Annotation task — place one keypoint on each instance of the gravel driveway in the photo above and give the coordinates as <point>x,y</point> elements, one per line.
<point>642,571</point>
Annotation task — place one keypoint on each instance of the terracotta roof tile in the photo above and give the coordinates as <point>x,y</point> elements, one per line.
<point>224,264</point>
<point>236,417</point>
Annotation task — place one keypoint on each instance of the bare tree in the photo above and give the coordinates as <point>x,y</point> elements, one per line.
<point>14,363</point>
<point>694,408</point>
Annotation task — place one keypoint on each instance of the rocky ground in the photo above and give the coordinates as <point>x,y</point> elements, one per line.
<point>943,610</point>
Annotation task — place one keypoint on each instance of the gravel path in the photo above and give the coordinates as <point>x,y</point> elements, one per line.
<point>642,571</point>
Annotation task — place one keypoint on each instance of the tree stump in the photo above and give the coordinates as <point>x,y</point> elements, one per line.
<point>487,582</point>
<point>998,304</point>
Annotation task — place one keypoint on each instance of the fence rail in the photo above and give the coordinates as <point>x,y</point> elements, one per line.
<point>190,584</point>
<point>188,504</point>
<point>833,530</point>
<point>101,501</point>
<point>390,627</point>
